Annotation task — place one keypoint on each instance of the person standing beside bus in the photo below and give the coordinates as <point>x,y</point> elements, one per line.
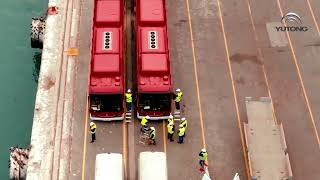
<point>170,127</point>
<point>93,129</point>
<point>170,119</point>
<point>128,100</point>
<point>144,122</point>
<point>181,133</point>
<point>177,98</point>
<point>152,136</point>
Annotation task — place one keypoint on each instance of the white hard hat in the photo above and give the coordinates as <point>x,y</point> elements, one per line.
<point>203,150</point>
<point>129,90</point>
<point>181,125</point>
<point>91,123</point>
<point>182,119</point>
<point>170,117</point>
<point>178,90</point>
<point>148,117</point>
<point>170,123</point>
<point>152,128</point>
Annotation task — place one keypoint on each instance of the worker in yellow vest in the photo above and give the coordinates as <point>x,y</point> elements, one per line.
<point>152,136</point>
<point>93,129</point>
<point>184,122</point>
<point>181,133</point>
<point>170,119</point>
<point>144,123</point>
<point>170,127</point>
<point>128,100</point>
<point>202,158</point>
<point>177,98</point>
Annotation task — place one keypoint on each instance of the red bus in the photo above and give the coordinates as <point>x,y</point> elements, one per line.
<point>153,62</point>
<point>107,74</point>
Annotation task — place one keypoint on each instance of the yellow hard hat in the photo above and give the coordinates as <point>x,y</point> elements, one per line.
<point>91,123</point>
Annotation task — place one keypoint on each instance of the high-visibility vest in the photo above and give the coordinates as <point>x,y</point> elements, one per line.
<point>144,121</point>
<point>170,128</point>
<point>152,134</point>
<point>203,156</point>
<point>170,120</point>
<point>182,130</point>
<point>93,128</point>
<point>128,97</point>
<point>178,97</point>
<point>184,123</point>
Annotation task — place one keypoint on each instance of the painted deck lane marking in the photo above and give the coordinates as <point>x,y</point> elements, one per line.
<point>124,147</point>
<point>313,17</point>
<point>75,76</point>
<point>301,80</point>
<point>63,78</point>
<point>196,75</point>
<point>164,136</point>
<point>234,91</point>
<point>262,59</point>
<point>84,150</point>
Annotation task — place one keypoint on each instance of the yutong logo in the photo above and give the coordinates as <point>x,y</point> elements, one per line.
<point>291,18</point>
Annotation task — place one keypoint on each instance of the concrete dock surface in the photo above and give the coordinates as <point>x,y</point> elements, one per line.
<point>221,52</point>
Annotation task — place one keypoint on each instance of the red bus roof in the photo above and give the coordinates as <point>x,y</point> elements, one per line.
<point>107,64</point>
<point>108,12</point>
<point>153,60</point>
<point>151,12</point>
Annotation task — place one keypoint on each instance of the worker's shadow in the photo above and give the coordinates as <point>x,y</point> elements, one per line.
<point>37,64</point>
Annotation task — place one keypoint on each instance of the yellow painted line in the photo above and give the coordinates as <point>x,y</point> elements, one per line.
<point>262,59</point>
<point>301,80</point>
<point>84,149</point>
<point>196,76</point>
<point>164,136</point>
<point>234,92</point>
<point>313,17</point>
<point>124,146</point>
<point>268,87</point>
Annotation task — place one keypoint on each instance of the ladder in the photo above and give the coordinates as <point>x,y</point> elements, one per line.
<point>144,137</point>
<point>128,116</point>
<point>177,115</point>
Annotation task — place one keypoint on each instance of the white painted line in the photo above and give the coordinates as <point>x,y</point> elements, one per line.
<point>74,23</point>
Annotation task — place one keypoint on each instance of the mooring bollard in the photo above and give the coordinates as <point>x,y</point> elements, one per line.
<point>38,26</point>
<point>18,163</point>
